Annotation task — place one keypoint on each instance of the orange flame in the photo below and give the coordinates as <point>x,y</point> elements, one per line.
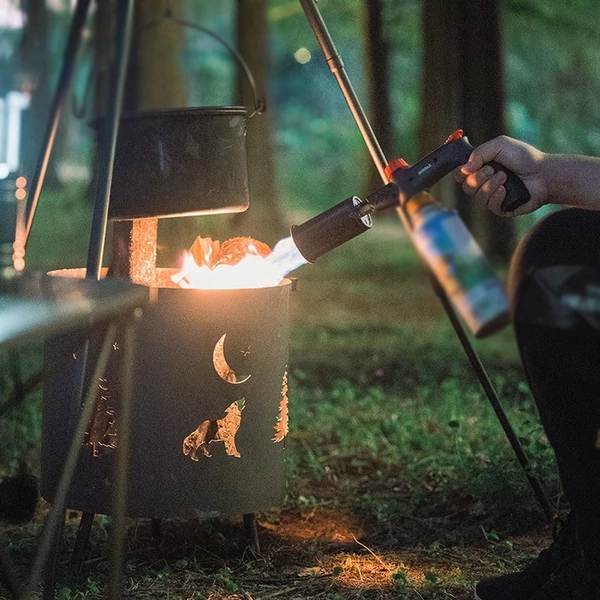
<point>236,263</point>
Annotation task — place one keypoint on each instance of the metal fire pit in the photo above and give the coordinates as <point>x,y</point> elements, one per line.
<point>209,409</point>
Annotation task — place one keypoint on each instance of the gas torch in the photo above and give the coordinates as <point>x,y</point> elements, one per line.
<point>440,236</point>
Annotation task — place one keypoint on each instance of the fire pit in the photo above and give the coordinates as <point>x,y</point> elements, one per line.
<point>209,410</point>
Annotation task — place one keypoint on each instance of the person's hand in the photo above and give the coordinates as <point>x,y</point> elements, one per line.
<point>480,180</point>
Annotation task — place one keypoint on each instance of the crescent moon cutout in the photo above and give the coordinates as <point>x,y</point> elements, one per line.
<point>224,371</point>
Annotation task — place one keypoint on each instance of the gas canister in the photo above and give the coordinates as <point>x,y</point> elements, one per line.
<point>458,264</point>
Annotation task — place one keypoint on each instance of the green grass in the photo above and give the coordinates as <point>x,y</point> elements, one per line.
<point>61,228</point>
<point>382,389</point>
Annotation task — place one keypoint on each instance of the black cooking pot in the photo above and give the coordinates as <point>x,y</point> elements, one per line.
<point>187,161</point>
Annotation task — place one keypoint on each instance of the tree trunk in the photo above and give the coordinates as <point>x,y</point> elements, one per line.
<point>462,88</point>
<point>440,95</point>
<point>155,80</point>
<point>33,54</point>
<point>160,79</point>
<point>263,219</point>
<point>160,83</point>
<point>103,39</point>
<point>483,110</point>
<point>378,85</point>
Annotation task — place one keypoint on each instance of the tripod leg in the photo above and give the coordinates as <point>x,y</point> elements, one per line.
<point>252,531</point>
<point>49,570</point>
<point>107,136</point>
<point>81,541</point>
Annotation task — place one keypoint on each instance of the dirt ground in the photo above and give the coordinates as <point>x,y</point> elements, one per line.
<point>326,549</point>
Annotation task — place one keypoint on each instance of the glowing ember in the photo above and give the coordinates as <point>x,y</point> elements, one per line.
<point>236,263</point>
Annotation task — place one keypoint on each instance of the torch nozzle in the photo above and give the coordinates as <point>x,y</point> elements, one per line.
<point>332,228</point>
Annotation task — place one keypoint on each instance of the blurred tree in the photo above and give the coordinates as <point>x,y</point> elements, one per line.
<point>463,88</point>
<point>482,89</point>
<point>440,94</point>
<point>102,43</point>
<point>553,73</point>
<point>263,219</point>
<point>315,131</point>
<point>378,84</point>
<point>155,80</point>
<point>404,24</point>
<point>158,73</point>
<point>33,61</point>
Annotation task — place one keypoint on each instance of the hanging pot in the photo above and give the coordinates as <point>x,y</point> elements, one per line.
<point>188,161</point>
<point>185,161</point>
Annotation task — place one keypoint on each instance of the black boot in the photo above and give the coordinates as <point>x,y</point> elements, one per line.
<point>575,581</point>
<point>524,584</point>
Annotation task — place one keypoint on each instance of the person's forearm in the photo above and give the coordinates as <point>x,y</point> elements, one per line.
<point>572,180</point>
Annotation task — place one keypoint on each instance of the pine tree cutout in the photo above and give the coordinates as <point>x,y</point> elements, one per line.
<point>281,427</point>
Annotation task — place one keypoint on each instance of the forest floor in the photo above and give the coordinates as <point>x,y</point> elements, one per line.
<point>401,483</point>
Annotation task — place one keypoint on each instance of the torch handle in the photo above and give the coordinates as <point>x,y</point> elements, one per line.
<point>429,170</point>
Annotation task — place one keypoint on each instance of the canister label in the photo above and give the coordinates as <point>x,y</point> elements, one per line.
<point>461,269</point>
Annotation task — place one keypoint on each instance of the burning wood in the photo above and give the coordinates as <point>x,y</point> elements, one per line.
<point>205,251</point>
<point>235,263</point>
<point>238,248</point>
<point>211,253</point>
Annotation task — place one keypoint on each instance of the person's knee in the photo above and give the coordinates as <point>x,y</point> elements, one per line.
<point>567,237</point>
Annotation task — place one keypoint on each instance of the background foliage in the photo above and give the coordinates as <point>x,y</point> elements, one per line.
<point>552,70</point>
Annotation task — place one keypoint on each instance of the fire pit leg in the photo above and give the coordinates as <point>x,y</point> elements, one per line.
<point>81,541</point>
<point>252,531</point>
<point>156,526</point>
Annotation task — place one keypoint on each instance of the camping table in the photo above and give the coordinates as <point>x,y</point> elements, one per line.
<point>37,306</point>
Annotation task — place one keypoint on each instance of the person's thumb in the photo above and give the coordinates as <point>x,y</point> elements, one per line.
<point>484,153</point>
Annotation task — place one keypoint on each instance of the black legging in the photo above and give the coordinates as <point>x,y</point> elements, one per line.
<point>559,341</point>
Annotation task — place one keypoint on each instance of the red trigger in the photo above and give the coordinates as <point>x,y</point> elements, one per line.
<point>456,135</point>
<point>396,163</point>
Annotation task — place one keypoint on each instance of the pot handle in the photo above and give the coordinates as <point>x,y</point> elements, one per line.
<point>259,103</point>
<point>79,109</point>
